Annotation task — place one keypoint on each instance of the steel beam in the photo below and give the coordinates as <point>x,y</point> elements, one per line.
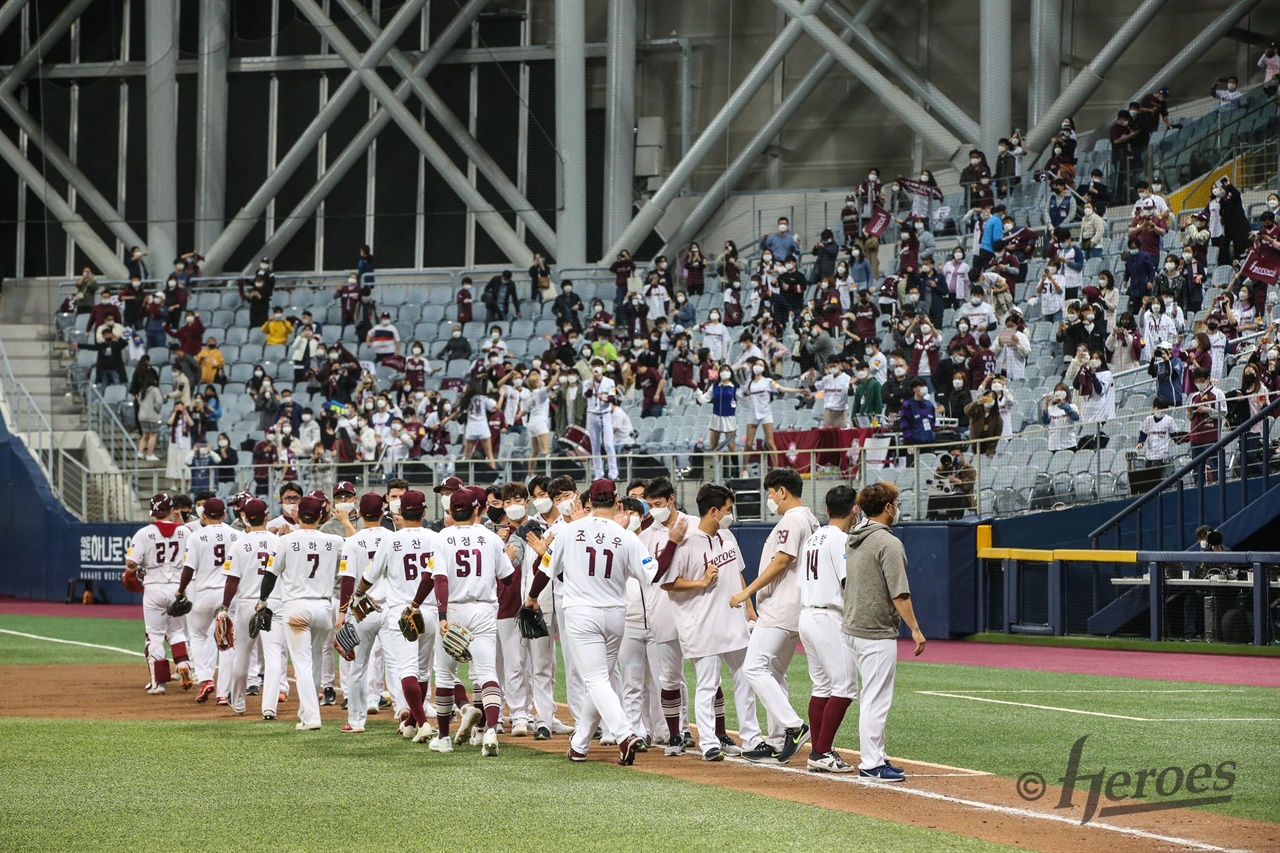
<point>9,13</point>
<point>995,95</point>
<point>211,120</point>
<point>1090,77</point>
<point>894,98</point>
<point>319,191</point>
<point>571,132</point>
<point>932,96</point>
<point>47,39</point>
<point>648,217</point>
<point>727,182</point>
<point>620,119</point>
<point>99,253</point>
<point>488,218</point>
<point>458,132</point>
<point>1198,46</point>
<point>239,227</point>
<point>162,133</point>
<point>1046,58</point>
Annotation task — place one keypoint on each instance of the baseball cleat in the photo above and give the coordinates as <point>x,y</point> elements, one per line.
<point>345,703</point>
<point>307,727</point>
<point>489,743</point>
<point>329,697</point>
<point>268,715</point>
<point>713,754</point>
<point>205,691</point>
<point>426,734</point>
<point>373,708</point>
<point>608,740</point>
<point>349,729</point>
<point>441,744</point>
<point>470,716</point>
<point>761,753</point>
<point>728,747</point>
<point>559,728</point>
<point>795,738</point>
<point>689,742</point>
<point>829,763</point>
<point>501,728</point>
<point>384,701</point>
<point>574,755</point>
<point>883,773</point>
<point>674,747</point>
<point>223,700</point>
<point>184,672</point>
<point>520,730</point>
<point>253,690</point>
<point>408,731</point>
<point>627,750</point>
<point>477,735</point>
<point>156,689</point>
<point>543,733</point>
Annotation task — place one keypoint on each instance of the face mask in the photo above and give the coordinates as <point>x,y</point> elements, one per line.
<point>988,406</point>
<point>767,258</point>
<point>842,269</point>
<point>919,226</point>
<point>515,512</point>
<point>382,404</point>
<point>997,387</point>
<point>975,300</point>
<point>725,520</point>
<point>757,369</point>
<point>959,256</point>
<point>257,373</point>
<point>913,298</point>
<point>306,419</point>
<point>863,374</point>
<point>725,376</point>
<point>782,228</point>
<point>715,318</point>
<point>1133,251</point>
<point>1057,150</point>
<point>856,253</point>
<point>1059,396</point>
<point>957,384</point>
<point>495,513</point>
<point>286,400</point>
<point>1088,211</point>
<point>565,507</point>
<point>662,266</point>
<point>986,181</point>
<point>1188,256</point>
<point>926,331</point>
<point>1217,192</point>
<point>368,407</point>
<point>223,442</point>
<point>568,288</point>
<point>899,372</point>
<point>1095,363</point>
<point>1231,87</point>
<point>1200,386</point>
<point>973,161</point>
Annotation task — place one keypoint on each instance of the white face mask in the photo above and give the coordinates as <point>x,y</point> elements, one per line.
<point>348,508</point>
<point>515,512</point>
<point>957,384</point>
<point>306,419</point>
<point>660,514</point>
<point>726,375</point>
<point>1095,363</point>
<point>975,300</point>
<point>633,523</point>
<point>1059,396</point>
<point>783,228</point>
<point>394,506</point>
<point>726,520</point>
<point>773,506</point>
<point>757,369</point>
<point>565,507</point>
<point>542,506</point>
<point>863,374</point>
<point>959,256</point>
<point>899,372</point>
<point>997,387</point>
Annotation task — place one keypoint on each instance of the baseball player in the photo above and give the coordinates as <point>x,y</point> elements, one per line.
<point>155,559</point>
<point>773,641</point>
<point>542,651</point>
<point>404,562</point>
<point>290,495</point>
<point>474,560</point>
<point>306,563</point>
<point>358,553</point>
<point>244,572</point>
<point>197,511</point>
<point>328,661</point>
<point>208,549</point>
<point>829,651</point>
<point>513,649</point>
<point>254,646</point>
<point>568,504</point>
<point>601,393</point>
<point>593,558</point>
<point>662,641</point>
<point>705,574</point>
<point>877,599</point>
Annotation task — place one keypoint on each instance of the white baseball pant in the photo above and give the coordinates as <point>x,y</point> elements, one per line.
<point>769,653</point>
<point>159,624</point>
<point>481,618</point>
<point>513,651</point>
<point>542,677</point>
<point>707,672</point>
<point>327,660</point>
<point>255,660</point>
<point>600,429</point>
<point>272,645</point>
<point>401,655</point>
<point>204,652</point>
<point>306,625</point>
<point>356,681</point>
<point>833,669</point>
<point>877,665</point>
<point>595,635</point>
<point>648,666</point>
<point>574,690</point>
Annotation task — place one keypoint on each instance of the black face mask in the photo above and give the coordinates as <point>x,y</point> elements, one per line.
<point>495,513</point>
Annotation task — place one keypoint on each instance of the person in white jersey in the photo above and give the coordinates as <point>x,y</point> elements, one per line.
<point>777,591</point>
<point>835,397</point>
<point>358,553</point>
<point>208,550</point>
<point>154,560</point>
<point>593,557</point>
<point>253,550</point>
<point>306,565</point>
<point>601,393</point>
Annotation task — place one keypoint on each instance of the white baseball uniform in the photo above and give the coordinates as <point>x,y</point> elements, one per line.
<point>828,650</point>
<point>659,640</point>
<point>357,555</point>
<point>593,557</point>
<point>773,642</point>
<point>158,550</point>
<point>542,651</point>
<point>306,563</point>
<point>600,394</point>
<point>250,555</point>
<point>574,690</point>
<point>208,550</point>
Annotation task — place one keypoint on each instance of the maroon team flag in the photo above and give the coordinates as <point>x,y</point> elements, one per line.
<point>877,222</point>
<point>1262,265</point>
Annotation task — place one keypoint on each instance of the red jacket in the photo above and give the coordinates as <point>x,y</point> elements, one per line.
<point>190,336</point>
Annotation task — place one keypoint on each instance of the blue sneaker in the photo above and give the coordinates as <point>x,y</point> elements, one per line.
<point>892,766</point>
<point>713,754</point>
<point>884,773</point>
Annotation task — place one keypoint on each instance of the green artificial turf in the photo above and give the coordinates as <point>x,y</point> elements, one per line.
<point>220,785</point>
<point>118,633</point>
<point>1132,645</point>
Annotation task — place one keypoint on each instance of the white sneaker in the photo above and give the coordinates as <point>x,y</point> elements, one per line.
<point>606,740</point>
<point>559,728</point>
<point>151,457</point>
<point>520,730</point>
<point>141,455</point>
<point>470,716</point>
<point>156,689</point>
<point>489,744</point>
<point>829,763</point>
<point>424,734</point>
<point>441,744</point>
<point>307,727</point>
<point>477,737</point>
<point>408,731</point>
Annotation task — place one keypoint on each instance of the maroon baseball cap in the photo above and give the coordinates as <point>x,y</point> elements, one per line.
<point>239,499</point>
<point>255,509</point>
<point>161,505</point>
<point>344,487</point>
<point>466,499</point>
<point>603,489</point>
<point>318,494</point>
<point>310,506</point>
<point>450,484</point>
<point>413,501</point>
<point>371,505</point>
<point>214,506</point>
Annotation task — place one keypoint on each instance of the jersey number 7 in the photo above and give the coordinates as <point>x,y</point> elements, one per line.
<point>314,560</point>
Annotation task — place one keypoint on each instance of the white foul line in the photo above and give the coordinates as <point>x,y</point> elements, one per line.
<point>1099,713</point>
<point>1009,810</point>
<point>72,643</point>
<point>1050,690</point>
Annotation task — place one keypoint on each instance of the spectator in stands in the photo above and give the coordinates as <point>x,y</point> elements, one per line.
<point>867,399</point>
<point>383,339</point>
<point>155,320</point>
<point>622,268</point>
<point>917,416</point>
<point>188,366</point>
<point>955,273</point>
<point>190,333</point>
<point>1208,407</point>
<point>977,311</point>
<point>1049,292</point>
<point>1147,228</point>
<point>985,424</point>
<point>953,397</point>
<point>348,296</point>
<point>657,298</point>
<point>212,407</point>
<point>695,266</point>
<point>455,346</point>
<point>1165,372</point>
<point>1270,63</point>
<point>134,263</point>
<point>1093,231</point>
<point>277,329</point>
<point>365,266</point>
<point>1107,297</point>
<point>86,290</point>
<point>825,253</point>
<point>104,312</point>
<point>1155,323</point>
<point>211,362</point>
<point>1124,344</point>
<point>175,302</point>
<point>933,291</point>
<point>1139,273</point>
<point>1057,413</point>
<point>226,472</point>
<point>992,220</point>
<point>971,174</point>
<point>1012,349</point>
<point>539,277</point>
<point>1155,437</point>
<point>1098,194</point>
<point>782,243</point>
<point>1227,91</point>
<point>180,426</point>
<point>1228,224</point>
<point>570,404</point>
<point>1061,206</point>
<point>1084,329</point>
<point>109,368</point>
<point>723,397</point>
<point>1005,169</point>
<point>150,404</point>
<point>758,396</point>
<point>1123,141</point>
<point>834,387</point>
<point>895,388</point>
<point>568,306</point>
<point>1091,378</point>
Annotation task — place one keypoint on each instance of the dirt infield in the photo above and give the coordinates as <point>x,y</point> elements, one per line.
<point>951,799</point>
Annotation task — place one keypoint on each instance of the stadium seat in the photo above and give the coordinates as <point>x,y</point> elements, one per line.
<point>236,334</point>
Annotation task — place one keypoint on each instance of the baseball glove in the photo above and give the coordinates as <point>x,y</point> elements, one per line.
<point>361,606</point>
<point>532,624</point>
<point>260,621</point>
<point>345,640</point>
<point>457,642</point>
<point>181,606</point>
<point>224,635</point>
<point>132,581</point>
<point>412,624</point>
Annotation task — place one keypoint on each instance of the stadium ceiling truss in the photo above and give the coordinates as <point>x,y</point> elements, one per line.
<point>934,118</point>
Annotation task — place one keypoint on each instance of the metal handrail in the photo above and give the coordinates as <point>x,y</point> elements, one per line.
<point>1217,447</point>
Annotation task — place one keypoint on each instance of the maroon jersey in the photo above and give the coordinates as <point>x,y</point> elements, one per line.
<point>349,296</point>
<point>509,598</point>
<point>648,385</point>
<point>981,365</point>
<point>864,317</point>
<point>415,370</point>
<point>463,300</point>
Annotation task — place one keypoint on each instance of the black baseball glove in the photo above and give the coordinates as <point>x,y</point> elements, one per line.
<point>260,621</point>
<point>181,606</point>
<point>532,624</point>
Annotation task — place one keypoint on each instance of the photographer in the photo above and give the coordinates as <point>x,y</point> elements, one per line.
<point>623,268</point>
